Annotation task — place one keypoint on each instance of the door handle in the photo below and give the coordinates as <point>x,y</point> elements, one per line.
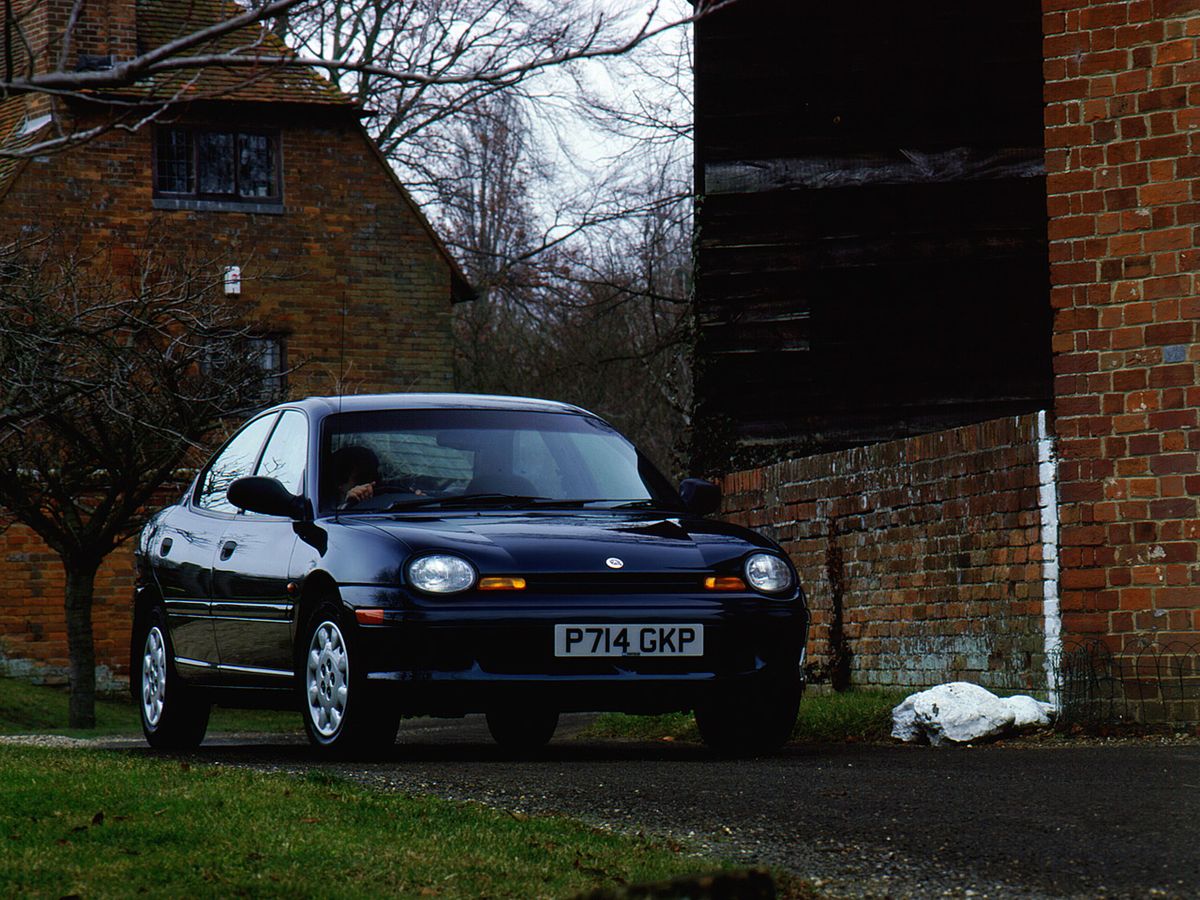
<point>227,549</point>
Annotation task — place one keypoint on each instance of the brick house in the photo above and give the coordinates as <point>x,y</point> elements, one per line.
<point>947,305</point>
<point>270,172</point>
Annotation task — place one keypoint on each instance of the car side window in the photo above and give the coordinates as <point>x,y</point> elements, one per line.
<point>286,454</point>
<point>235,461</point>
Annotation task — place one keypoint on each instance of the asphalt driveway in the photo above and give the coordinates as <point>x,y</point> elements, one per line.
<point>1010,820</point>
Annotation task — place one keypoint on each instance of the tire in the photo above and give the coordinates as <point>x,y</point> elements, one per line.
<point>343,713</point>
<point>174,715</point>
<point>522,729</point>
<point>737,723</point>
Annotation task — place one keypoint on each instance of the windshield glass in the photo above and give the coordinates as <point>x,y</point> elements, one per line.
<point>391,460</point>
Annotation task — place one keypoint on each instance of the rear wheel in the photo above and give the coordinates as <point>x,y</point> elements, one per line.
<point>174,716</point>
<point>734,723</point>
<point>343,713</point>
<point>522,729</point>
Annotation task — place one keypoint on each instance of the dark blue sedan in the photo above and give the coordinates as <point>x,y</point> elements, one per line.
<point>370,557</point>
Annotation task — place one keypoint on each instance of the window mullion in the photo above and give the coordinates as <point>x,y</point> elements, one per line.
<point>195,185</point>
<point>237,165</point>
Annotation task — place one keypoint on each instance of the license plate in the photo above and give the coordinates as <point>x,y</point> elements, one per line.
<point>628,640</point>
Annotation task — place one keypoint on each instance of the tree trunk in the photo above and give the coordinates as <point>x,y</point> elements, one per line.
<point>81,584</point>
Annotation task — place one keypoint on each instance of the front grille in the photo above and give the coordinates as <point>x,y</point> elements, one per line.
<point>616,582</point>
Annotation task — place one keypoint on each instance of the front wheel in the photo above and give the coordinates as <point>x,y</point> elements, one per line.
<point>522,729</point>
<point>738,723</point>
<point>342,712</point>
<point>174,716</point>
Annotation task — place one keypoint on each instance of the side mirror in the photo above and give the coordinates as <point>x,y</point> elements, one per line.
<point>258,494</point>
<point>699,496</point>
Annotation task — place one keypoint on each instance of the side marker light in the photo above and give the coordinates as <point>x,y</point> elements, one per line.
<point>496,583</point>
<point>724,583</point>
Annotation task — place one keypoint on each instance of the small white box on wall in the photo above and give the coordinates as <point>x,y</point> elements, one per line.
<point>233,280</point>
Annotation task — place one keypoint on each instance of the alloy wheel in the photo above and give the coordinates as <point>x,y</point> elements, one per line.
<point>154,676</point>
<point>327,679</point>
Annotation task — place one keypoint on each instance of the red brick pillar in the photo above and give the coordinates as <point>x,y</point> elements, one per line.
<point>121,29</point>
<point>103,27</point>
<point>1123,164</point>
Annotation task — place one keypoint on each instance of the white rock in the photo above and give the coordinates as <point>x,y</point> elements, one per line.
<point>1029,713</point>
<point>962,712</point>
<point>904,721</point>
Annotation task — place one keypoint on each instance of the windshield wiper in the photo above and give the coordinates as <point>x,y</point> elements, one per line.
<point>501,500</point>
<point>566,503</point>
<point>484,499</point>
<point>609,503</point>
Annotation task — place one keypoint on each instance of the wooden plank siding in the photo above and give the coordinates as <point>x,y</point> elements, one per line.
<point>871,224</point>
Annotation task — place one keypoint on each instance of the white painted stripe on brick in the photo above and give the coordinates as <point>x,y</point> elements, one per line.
<point>1048,507</point>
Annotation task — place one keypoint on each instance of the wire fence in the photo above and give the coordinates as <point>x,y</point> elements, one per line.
<point>1145,682</point>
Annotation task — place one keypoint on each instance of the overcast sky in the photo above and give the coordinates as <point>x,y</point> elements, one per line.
<point>579,152</point>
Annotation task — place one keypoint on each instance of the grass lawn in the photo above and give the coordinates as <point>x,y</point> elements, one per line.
<point>858,715</point>
<point>34,709</point>
<point>96,824</point>
<point>77,822</point>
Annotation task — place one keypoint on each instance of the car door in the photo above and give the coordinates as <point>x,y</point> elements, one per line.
<point>184,548</point>
<point>181,551</point>
<point>252,608</point>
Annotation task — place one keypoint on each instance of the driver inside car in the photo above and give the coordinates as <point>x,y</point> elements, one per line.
<point>356,470</point>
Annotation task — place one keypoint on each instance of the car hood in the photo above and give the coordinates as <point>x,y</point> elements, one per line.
<point>576,542</point>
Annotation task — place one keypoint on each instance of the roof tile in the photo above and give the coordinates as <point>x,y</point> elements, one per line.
<point>161,21</point>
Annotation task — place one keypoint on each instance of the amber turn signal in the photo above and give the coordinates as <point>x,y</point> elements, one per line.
<point>495,583</point>
<point>724,583</point>
<point>369,616</point>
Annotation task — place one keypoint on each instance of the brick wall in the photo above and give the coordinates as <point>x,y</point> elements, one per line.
<point>102,27</point>
<point>348,238</point>
<point>1123,160</point>
<point>932,546</point>
<point>33,629</point>
<point>37,21</point>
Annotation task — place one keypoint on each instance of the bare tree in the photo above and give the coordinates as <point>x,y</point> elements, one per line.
<point>417,62</point>
<point>109,380</point>
<point>483,199</point>
<point>583,296</point>
<point>600,318</point>
<point>622,340</point>
<point>501,43</point>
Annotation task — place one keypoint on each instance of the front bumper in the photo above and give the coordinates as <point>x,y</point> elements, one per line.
<point>469,654</point>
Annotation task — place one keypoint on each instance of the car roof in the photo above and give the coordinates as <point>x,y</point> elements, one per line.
<point>324,406</point>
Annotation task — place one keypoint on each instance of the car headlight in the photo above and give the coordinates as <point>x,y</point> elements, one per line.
<point>441,573</point>
<point>768,573</point>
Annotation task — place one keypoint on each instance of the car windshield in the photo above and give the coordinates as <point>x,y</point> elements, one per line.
<point>392,460</point>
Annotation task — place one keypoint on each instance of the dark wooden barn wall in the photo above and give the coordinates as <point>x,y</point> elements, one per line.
<point>871,230</point>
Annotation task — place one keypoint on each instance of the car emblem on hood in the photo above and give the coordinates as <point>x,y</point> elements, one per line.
<point>613,563</point>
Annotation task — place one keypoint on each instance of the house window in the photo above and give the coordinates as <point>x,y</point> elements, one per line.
<point>266,352</point>
<point>201,164</point>
<point>175,169</point>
